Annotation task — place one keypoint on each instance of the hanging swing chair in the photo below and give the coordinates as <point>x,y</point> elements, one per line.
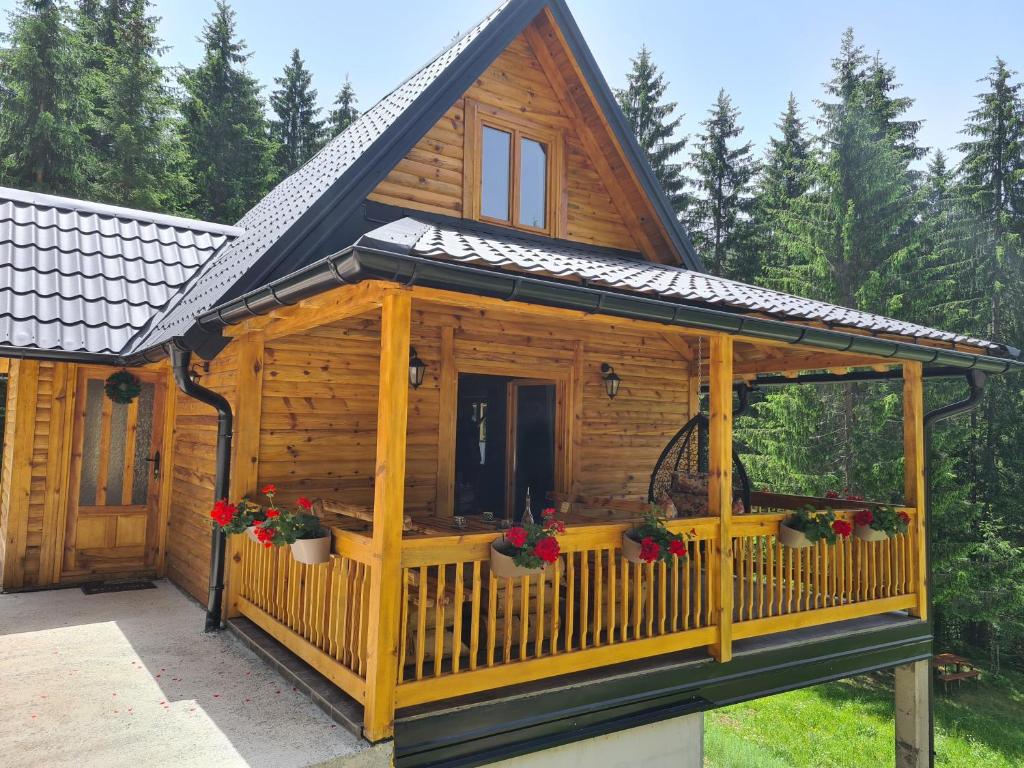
<point>682,469</point>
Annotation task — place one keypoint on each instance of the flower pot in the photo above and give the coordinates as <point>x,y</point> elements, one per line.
<point>792,538</point>
<point>251,532</point>
<point>312,551</point>
<point>504,566</point>
<point>867,533</point>
<point>631,549</point>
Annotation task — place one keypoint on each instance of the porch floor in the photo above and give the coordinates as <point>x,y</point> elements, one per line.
<point>130,679</point>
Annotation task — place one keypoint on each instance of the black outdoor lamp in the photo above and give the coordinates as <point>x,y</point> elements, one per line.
<point>611,380</point>
<point>416,369</point>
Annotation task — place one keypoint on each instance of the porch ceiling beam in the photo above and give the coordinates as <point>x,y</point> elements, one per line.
<point>681,347</point>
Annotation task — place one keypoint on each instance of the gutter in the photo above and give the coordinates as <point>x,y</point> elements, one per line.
<point>390,261</point>
<point>180,359</point>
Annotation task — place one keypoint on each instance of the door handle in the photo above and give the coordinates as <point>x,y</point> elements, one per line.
<point>155,461</point>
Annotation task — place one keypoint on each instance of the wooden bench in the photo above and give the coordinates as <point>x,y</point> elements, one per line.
<point>950,668</point>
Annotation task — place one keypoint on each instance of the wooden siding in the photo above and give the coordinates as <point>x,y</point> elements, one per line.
<point>192,465</point>
<point>431,176</point>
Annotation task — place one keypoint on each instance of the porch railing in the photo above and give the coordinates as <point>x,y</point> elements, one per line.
<point>463,630</point>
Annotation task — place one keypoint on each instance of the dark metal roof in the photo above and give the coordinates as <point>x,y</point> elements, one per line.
<point>82,277</point>
<point>298,222</point>
<point>596,269</point>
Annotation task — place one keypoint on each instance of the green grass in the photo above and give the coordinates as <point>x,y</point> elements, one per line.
<point>849,724</point>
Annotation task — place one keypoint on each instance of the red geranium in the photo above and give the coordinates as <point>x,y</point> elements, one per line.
<point>272,513</point>
<point>842,528</point>
<point>558,526</point>
<point>864,517</point>
<point>269,489</point>
<point>547,549</point>
<point>831,495</point>
<point>904,517</point>
<point>305,503</point>
<point>649,549</point>
<point>223,513</point>
<point>516,536</point>
<point>265,535</point>
<point>678,548</point>
<point>549,512</point>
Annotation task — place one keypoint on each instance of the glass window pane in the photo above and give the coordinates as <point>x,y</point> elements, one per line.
<point>91,442</point>
<point>533,184</point>
<point>143,439</point>
<point>494,183</point>
<point>115,460</point>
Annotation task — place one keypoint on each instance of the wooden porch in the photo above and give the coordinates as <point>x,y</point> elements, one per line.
<point>407,612</point>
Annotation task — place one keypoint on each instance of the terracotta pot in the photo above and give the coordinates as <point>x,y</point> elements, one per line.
<point>631,549</point>
<point>504,567</point>
<point>792,538</point>
<point>312,551</point>
<point>867,533</point>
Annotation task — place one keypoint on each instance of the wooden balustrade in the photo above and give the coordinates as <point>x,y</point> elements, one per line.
<point>319,612</point>
<point>461,629</point>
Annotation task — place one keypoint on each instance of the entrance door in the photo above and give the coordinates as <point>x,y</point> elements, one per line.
<point>113,495</point>
<point>531,445</point>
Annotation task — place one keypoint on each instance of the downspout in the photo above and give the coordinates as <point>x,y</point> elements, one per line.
<point>976,388</point>
<point>180,359</point>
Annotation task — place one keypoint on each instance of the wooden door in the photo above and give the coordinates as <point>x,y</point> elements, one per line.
<point>530,447</point>
<point>113,494</point>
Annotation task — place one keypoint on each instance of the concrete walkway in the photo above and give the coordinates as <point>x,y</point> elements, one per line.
<point>130,679</point>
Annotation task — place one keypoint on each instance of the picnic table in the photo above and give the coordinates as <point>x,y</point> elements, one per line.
<point>950,668</point>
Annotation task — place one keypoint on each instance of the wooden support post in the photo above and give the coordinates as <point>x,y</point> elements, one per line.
<point>245,463</point>
<point>913,716</point>
<point>388,506</point>
<point>913,477</point>
<point>18,442</point>
<point>448,383</point>
<point>720,485</point>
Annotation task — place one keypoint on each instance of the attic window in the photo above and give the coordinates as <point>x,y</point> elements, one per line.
<point>513,170</point>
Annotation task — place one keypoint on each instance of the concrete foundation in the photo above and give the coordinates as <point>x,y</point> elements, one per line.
<point>677,743</point>
<point>913,716</point>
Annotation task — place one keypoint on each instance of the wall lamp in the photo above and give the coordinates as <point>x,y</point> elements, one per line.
<point>611,380</point>
<point>416,369</point>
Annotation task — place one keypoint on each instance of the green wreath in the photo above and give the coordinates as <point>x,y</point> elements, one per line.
<point>122,387</point>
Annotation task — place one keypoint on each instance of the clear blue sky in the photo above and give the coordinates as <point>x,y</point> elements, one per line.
<point>758,51</point>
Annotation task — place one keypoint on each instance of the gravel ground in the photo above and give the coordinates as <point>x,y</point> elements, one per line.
<point>130,679</point>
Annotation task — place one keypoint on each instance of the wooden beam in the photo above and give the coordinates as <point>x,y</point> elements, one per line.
<point>913,475</point>
<point>58,456</point>
<point>20,436</point>
<point>681,347</point>
<point>339,303</point>
<point>720,486</point>
<point>245,464</point>
<point>447,404</point>
<point>167,459</point>
<point>388,507</point>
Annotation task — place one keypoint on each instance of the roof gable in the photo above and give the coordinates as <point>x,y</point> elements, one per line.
<point>298,222</point>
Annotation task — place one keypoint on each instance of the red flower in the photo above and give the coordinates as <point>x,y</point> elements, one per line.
<point>678,548</point>
<point>223,513</point>
<point>649,549</point>
<point>273,513</point>
<point>305,503</point>
<point>842,528</point>
<point>264,535</point>
<point>557,526</point>
<point>269,489</point>
<point>831,495</point>
<point>547,549</point>
<point>904,517</point>
<point>516,536</point>
<point>549,512</point>
<point>864,517</point>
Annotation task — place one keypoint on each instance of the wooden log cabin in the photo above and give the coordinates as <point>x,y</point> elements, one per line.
<point>493,225</point>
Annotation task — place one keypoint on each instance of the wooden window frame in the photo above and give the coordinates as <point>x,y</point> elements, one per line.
<point>479,115</point>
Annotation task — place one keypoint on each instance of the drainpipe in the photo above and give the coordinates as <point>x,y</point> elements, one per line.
<point>180,359</point>
<point>976,388</point>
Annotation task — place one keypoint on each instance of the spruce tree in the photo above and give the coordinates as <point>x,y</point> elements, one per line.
<point>344,112</point>
<point>719,214</point>
<point>297,131</point>
<point>43,109</point>
<point>224,127</point>
<point>142,162</point>
<point>654,126</point>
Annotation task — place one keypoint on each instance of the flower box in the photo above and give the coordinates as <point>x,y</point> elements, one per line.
<point>504,566</point>
<point>867,533</point>
<point>312,551</point>
<point>790,537</point>
<point>250,531</point>
<point>630,548</point>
